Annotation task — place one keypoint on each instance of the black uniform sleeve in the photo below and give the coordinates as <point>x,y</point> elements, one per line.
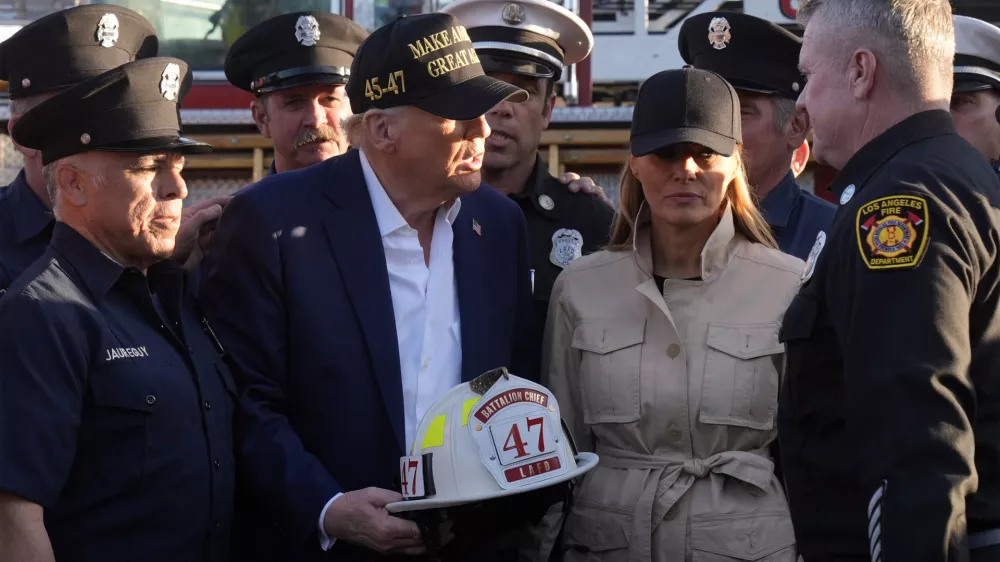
<point>43,366</point>
<point>242,295</point>
<point>901,314</point>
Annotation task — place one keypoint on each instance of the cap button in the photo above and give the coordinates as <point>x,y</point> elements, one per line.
<point>85,138</point>
<point>25,83</point>
<point>795,86</point>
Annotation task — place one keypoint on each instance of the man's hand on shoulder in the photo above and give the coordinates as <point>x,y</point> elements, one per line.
<point>198,222</point>
<point>578,184</point>
<point>360,517</point>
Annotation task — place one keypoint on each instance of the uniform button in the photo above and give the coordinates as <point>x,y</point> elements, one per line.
<point>208,405</point>
<point>217,464</point>
<point>673,350</point>
<point>150,400</point>
<point>674,434</point>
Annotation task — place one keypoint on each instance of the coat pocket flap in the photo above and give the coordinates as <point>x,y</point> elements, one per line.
<point>596,529</point>
<point>746,341</point>
<point>127,389</point>
<point>749,536</point>
<point>607,336</point>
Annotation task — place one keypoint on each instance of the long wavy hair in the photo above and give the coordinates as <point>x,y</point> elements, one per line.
<point>746,218</point>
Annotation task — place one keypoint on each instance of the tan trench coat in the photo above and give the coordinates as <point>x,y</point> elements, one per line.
<point>677,393</point>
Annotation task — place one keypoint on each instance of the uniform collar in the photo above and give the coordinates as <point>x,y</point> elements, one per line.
<point>778,205</point>
<point>100,272</point>
<point>715,256</point>
<point>873,155</point>
<point>31,216</point>
<point>272,170</point>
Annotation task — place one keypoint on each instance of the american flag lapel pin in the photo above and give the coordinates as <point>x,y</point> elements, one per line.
<point>476,228</point>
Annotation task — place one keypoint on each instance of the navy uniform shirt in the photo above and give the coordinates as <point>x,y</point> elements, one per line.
<point>25,229</point>
<point>889,417</point>
<point>562,226</point>
<point>796,217</point>
<point>115,409</point>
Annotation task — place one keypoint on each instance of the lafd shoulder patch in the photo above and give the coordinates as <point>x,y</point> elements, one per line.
<point>892,232</point>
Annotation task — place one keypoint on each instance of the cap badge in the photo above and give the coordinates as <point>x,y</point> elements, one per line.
<point>513,14</point>
<point>107,30</point>
<point>170,81</point>
<point>307,31</point>
<point>719,33</point>
<point>567,245</point>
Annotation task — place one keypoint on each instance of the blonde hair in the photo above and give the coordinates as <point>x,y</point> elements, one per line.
<point>746,218</point>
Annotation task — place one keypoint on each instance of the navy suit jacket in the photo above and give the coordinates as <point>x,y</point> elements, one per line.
<point>297,291</point>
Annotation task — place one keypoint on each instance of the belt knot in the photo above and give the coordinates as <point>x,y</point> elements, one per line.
<point>696,468</point>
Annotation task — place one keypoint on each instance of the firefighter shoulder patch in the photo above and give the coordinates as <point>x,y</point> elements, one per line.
<point>893,231</point>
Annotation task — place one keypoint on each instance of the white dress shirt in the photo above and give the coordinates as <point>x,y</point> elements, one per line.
<point>425,307</point>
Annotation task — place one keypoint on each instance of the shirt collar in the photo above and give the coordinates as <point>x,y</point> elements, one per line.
<point>873,155</point>
<point>31,216</point>
<point>778,205</point>
<point>386,214</point>
<point>715,256</point>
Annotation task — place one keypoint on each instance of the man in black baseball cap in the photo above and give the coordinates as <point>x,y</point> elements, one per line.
<point>115,405</point>
<point>297,65</point>
<point>399,249</point>
<point>976,93</point>
<point>38,61</point>
<point>760,59</point>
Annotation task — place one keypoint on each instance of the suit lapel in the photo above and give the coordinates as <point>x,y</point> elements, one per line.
<point>470,277</point>
<point>357,247</point>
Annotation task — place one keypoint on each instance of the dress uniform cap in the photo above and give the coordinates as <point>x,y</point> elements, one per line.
<point>977,54</point>
<point>527,37</point>
<point>293,50</point>
<point>753,54</point>
<point>133,108</point>
<point>686,105</point>
<point>496,436</point>
<point>426,61</point>
<point>72,45</point>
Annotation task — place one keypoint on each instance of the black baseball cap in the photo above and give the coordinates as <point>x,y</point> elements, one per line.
<point>753,54</point>
<point>426,61</point>
<point>69,46</point>
<point>686,105</point>
<point>294,50</point>
<point>133,108</point>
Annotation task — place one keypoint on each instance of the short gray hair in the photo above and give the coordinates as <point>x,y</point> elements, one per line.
<point>784,111</point>
<point>354,127</point>
<point>915,38</point>
<point>49,173</point>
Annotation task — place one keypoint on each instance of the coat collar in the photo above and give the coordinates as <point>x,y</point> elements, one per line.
<point>778,205</point>
<point>31,216</point>
<point>715,256</point>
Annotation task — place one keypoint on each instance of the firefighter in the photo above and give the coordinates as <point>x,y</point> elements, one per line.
<point>760,59</point>
<point>888,418</point>
<point>528,44</point>
<point>976,95</point>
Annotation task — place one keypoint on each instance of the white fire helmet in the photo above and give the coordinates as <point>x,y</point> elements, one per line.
<point>497,436</point>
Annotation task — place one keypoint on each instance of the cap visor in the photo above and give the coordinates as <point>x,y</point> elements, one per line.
<point>584,462</point>
<point>651,142</point>
<point>160,144</point>
<point>471,99</point>
<point>305,80</point>
<point>972,85</point>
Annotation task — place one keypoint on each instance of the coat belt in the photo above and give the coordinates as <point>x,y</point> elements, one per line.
<point>668,478</point>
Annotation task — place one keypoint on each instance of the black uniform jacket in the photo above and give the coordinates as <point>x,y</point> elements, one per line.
<point>891,403</point>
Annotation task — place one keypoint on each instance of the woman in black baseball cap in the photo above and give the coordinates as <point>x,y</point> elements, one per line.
<point>663,349</point>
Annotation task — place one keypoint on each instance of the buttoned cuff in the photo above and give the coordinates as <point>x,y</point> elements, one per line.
<point>325,541</point>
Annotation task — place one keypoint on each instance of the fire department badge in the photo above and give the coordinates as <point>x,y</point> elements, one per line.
<point>513,14</point>
<point>170,81</point>
<point>892,232</point>
<point>719,33</point>
<point>817,248</point>
<point>107,30</point>
<point>567,245</point>
<point>307,31</point>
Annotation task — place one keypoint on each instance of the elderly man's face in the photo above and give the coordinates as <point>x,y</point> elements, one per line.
<point>133,202</point>
<point>449,153</point>
<point>975,119</point>
<point>827,96</point>
<point>304,123</point>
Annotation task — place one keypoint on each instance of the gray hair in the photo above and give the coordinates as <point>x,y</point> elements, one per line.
<point>354,124</point>
<point>50,171</point>
<point>784,111</point>
<point>915,39</point>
